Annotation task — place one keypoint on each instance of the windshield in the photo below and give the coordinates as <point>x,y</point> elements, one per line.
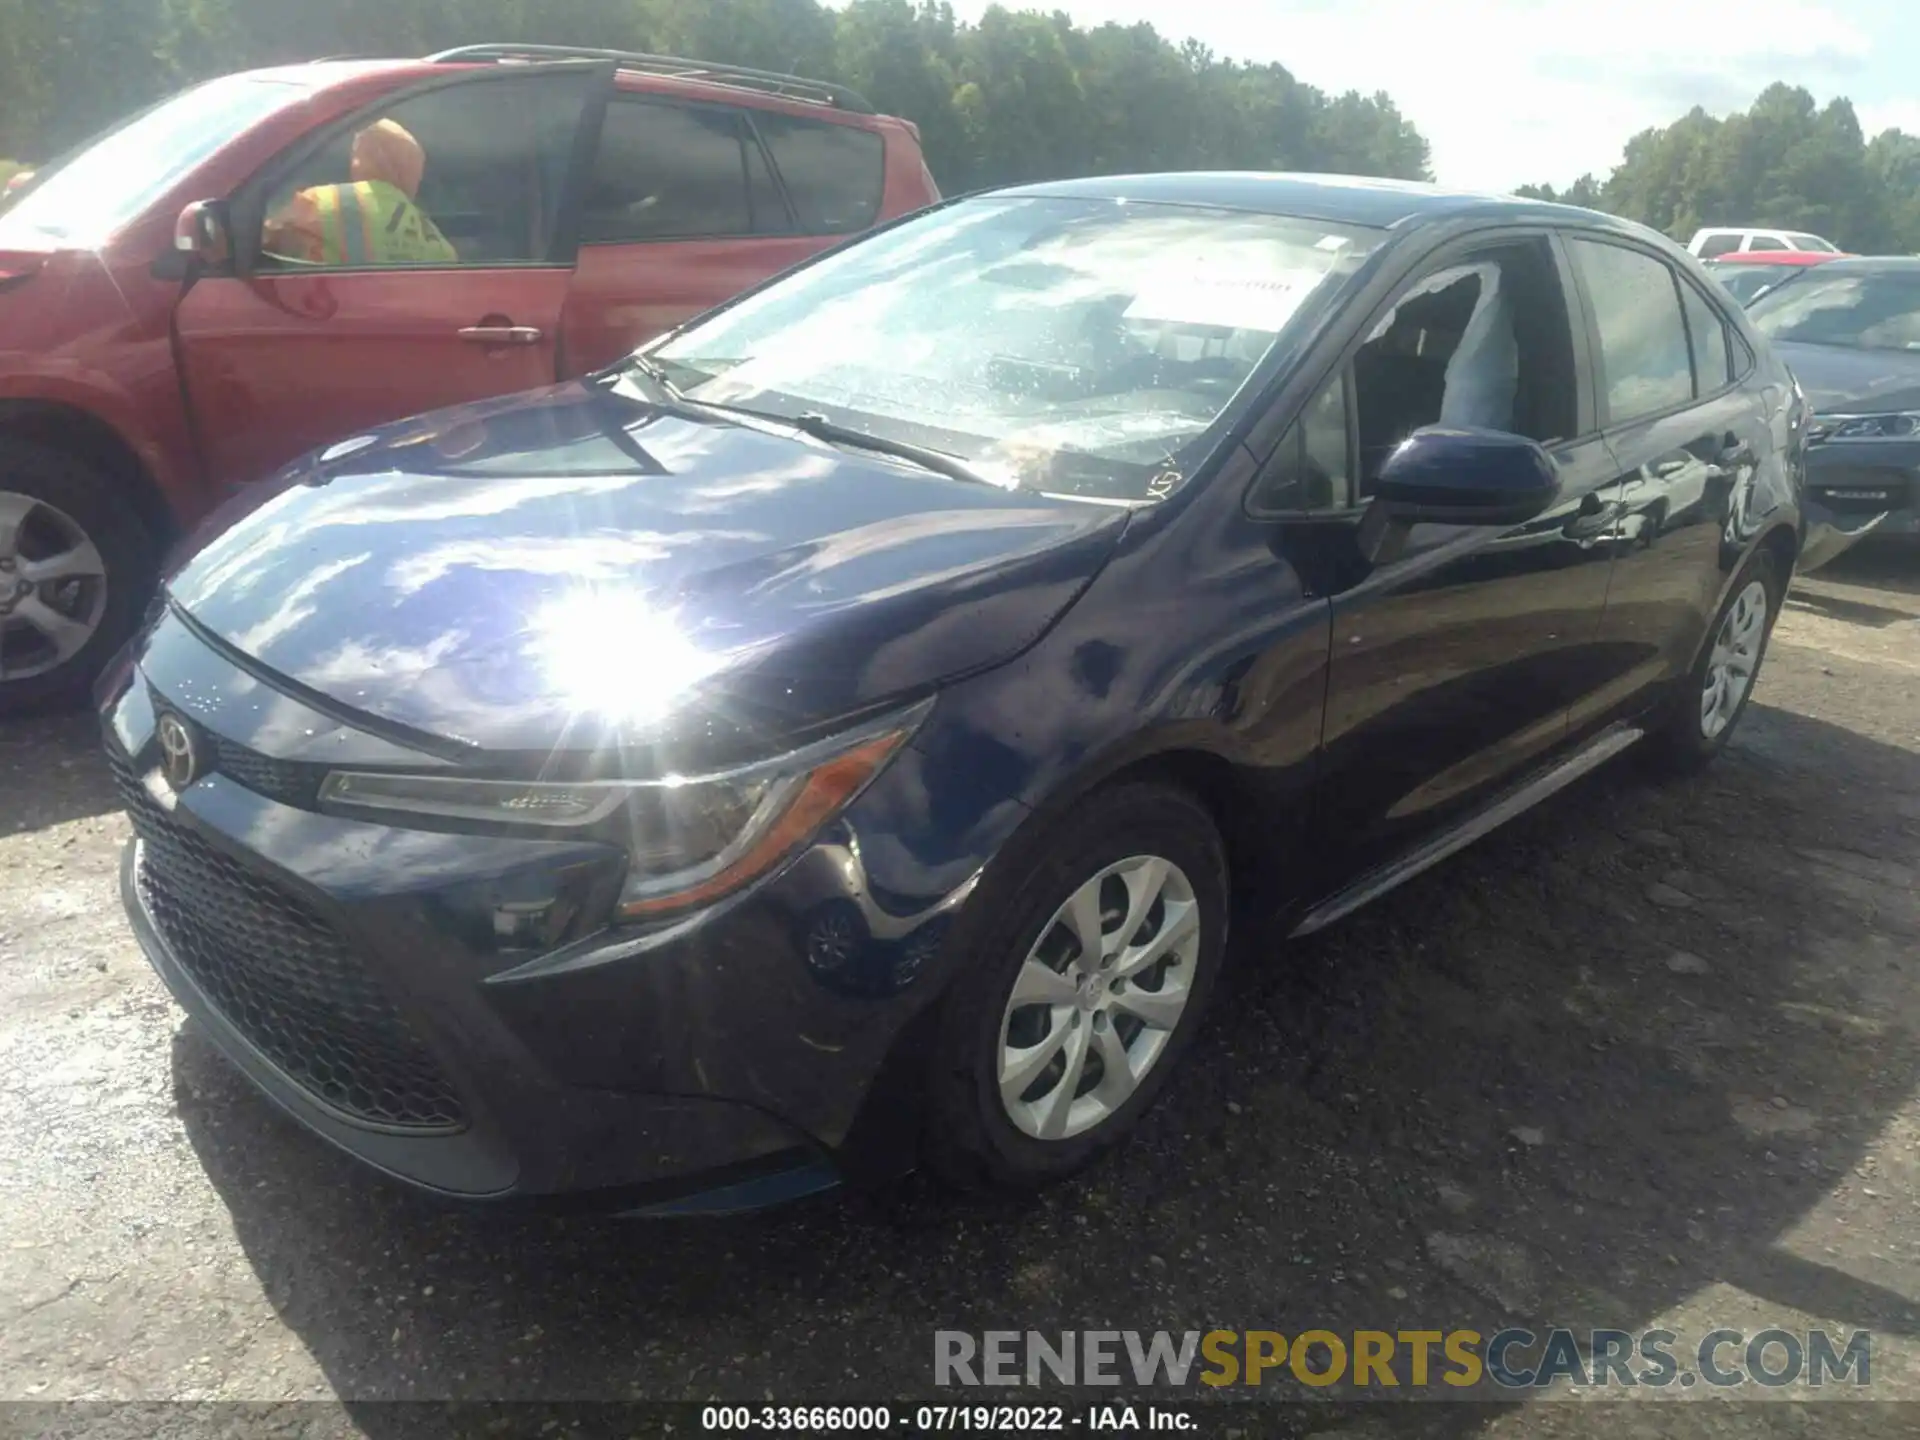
<point>1859,311</point>
<point>1080,347</point>
<point>102,188</point>
<point>1810,242</point>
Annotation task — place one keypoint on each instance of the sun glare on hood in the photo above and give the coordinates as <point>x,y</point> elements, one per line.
<point>613,654</point>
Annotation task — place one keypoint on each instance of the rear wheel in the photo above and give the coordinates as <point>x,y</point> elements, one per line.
<point>76,565</point>
<point>1086,988</point>
<point>1714,696</point>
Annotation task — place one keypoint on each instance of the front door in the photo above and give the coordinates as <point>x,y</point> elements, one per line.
<point>1456,659</point>
<point>298,349</point>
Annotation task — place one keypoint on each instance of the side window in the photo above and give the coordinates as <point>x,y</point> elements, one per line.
<point>1766,242</point>
<point>667,172</point>
<point>1483,341</point>
<point>1310,467</point>
<point>835,174</point>
<point>1712,348</point>
<point>1719,245</point>
<point>469,174</point>
<point>1645,362</point>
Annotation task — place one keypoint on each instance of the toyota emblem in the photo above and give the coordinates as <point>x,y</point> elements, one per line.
<point>179,756</point>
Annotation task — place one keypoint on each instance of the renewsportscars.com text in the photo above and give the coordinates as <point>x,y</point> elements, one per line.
<point>1404,1360</point>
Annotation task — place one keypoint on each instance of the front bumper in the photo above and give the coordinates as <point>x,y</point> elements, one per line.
<point>451,1010</point>
<point>1856,490</point>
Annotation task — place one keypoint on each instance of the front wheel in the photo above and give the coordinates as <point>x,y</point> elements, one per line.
<point>76,566</point>
<point>1085,988</point>
<point>1714,696</point>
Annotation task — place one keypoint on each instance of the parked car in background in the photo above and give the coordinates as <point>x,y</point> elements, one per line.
<point>274,259</point>
<point>16,182</point>
<point>1746,277</point>
<point>1712,243</point>
<point>1851,333</point>
<point>841,735</point>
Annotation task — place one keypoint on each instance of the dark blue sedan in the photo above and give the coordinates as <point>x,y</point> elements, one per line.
<point>840,737</point>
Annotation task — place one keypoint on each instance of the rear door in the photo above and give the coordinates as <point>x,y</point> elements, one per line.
<point>1686,435</point>
<point>687,204</point>
<point>285,355</point>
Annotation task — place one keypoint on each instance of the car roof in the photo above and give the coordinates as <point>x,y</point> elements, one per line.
<point>1776,257</point>
<point>1337,199</point>
<point>323,74</point>
<point>1874,265</point>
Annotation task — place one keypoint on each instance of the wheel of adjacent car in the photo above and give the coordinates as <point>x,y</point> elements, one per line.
<point>76,564</point>
<point>1085,987</point>
<point>1715,694</point>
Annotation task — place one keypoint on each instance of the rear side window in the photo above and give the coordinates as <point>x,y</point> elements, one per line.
<point>1646,363</point>
<point>835,173</point>
<point>1712,350</point>
<point>670,172</point>
<point>1719,245</point>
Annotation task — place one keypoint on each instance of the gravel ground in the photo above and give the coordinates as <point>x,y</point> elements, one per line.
<point>1646,1057</point>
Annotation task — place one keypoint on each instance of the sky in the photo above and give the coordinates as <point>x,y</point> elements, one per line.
<point>1509,92</point>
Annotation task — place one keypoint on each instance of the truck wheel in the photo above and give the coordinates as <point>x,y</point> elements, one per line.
<point>76,568</point>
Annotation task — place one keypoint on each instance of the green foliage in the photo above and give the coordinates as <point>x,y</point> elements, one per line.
<point>1787,163</point>
<point>1022,95</point>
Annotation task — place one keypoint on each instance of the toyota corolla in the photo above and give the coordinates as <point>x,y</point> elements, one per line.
<point>842,736</point>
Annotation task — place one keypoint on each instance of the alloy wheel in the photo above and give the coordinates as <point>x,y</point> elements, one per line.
<point>53,587</point>
<point>1098,997</point>
<point>1734,659</point>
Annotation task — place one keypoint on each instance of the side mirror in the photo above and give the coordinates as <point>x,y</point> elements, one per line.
<point>1460,475</point>
<point>202,236</point>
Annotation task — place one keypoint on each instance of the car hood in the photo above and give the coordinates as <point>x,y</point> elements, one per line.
<point>1841,381</point>
<point>577,567</point>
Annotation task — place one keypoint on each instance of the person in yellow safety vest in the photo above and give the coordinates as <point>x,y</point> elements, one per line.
<point>374,219</point>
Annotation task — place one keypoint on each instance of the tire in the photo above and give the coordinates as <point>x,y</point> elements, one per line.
<point>1690,737</point>
<point>974,1140</point>
<point>58,633</point>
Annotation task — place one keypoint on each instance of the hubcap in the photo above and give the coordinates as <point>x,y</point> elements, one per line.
<point>53,587</point>
<point>1735,658</point>
<point>1098,997</point>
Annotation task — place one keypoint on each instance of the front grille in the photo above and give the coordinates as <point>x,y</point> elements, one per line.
<point>284,977</point>
<point>287,781</point>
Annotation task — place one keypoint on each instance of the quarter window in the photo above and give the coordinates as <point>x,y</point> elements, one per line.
<point>1712,351</point>
<point>1645,361</point>
<point>1309,469</point>
<point>834,173</point>
<point>668,172</point>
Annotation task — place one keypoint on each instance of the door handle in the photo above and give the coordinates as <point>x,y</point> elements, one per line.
<point>503,334</point>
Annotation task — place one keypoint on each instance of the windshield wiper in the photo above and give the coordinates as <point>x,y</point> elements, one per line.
<point>654,371</point>
<point>927,458</point>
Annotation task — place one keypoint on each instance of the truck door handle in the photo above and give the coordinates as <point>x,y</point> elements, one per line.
<point>503,334</point>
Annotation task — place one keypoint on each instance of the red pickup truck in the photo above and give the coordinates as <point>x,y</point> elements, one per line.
<point>158,347</point>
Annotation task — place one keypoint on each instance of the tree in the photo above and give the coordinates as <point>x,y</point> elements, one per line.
<point>1787,163</point>
<point>1021,95</point>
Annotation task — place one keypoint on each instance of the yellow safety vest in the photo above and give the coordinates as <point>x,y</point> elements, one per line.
<point>374,223</point>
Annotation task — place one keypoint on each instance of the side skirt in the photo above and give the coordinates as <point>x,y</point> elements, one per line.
<point>1529,793</point>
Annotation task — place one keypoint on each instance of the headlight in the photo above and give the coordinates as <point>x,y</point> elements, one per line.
<point>1894,425</point>
<point>689,840</point>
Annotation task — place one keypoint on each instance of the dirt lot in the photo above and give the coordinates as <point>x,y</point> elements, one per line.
<point>1648,1057</point>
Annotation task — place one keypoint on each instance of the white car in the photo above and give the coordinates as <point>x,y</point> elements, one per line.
<point>1709,243</point>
